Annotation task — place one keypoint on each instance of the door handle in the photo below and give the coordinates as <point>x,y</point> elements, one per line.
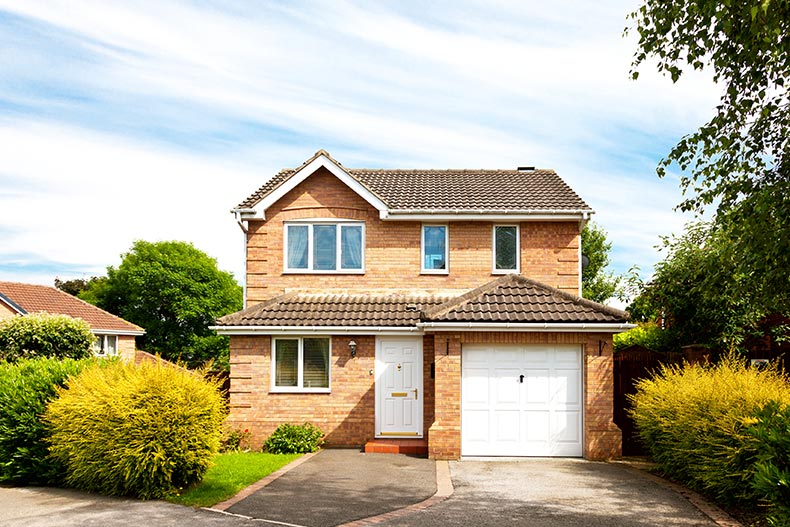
<point>416,393</point>
<point>521,379</point>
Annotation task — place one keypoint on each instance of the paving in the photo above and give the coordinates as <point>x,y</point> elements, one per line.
<point>554,493</point>
<point>336,487</point>
<point>340,486</point>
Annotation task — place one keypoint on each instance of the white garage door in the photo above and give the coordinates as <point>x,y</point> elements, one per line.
<point>521,400</point>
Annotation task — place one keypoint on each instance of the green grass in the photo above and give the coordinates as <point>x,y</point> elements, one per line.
<point>231,472</point>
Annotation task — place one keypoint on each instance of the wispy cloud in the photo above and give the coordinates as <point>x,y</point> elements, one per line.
<point>124,121</point>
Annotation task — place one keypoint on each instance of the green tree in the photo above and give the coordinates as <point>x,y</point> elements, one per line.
<point>598,285</point>
<point>80,286</point>
<point>698,291</point>
<point>739,159</point>
<point>174,291</point>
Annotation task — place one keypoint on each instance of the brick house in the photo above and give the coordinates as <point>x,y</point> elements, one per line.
<point>427,308</point>
<point>114,335</point>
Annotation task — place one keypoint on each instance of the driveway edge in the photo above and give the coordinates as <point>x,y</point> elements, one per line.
<point>444,489</point>
<point>717,515</point>
<point>258,485</point>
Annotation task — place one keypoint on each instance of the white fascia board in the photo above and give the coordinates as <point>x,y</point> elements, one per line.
<point>316,330</point>
<point>124,333</point>
<point>588,327</point>
<point>303,173</point>
<point>498,216</point>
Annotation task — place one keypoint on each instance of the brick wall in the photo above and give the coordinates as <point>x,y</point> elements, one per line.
<point>126,347</point>
<point>6,312</point>
<point>602,438</point>
<point>392,255</point>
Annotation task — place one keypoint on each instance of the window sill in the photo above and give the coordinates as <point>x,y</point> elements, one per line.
<point>300,390</point>
<point>505,271</point>
<point>435,271</point>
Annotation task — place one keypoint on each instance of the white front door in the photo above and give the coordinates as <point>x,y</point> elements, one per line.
<point>399,387</point>
<point>521,400</point>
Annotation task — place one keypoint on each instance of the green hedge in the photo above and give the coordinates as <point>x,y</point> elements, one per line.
<point>45,335</point>
<point>145,431</point>
<point>705,426</point>
<point>294,439</point>
<point>26,387</point>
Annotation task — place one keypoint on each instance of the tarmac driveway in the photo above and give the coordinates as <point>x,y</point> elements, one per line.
<point>555,493</point>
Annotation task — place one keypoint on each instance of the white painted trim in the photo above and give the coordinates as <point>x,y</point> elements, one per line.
<point>305,172</point>
<point>494,270</point>
<point>446,269</point>
<point>587,327</point>
<point>316,330</point>
<point>129,333</point>
<point>299,368</point>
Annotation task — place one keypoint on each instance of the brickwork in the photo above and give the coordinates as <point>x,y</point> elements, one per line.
<point>392,249</point>
<point>6,312</point>
<point>126,347</point>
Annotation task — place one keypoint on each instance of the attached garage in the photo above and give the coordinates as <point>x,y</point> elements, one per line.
<point>521,400</point>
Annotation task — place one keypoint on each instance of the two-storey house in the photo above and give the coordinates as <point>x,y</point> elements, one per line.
<point>432,307</point>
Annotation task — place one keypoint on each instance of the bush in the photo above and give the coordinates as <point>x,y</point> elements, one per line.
<point>146,431</point>
<point>693,419</point>
<point>294,439</point>
<point>647,334</point>
<point>26,387</point>
<point>45,335</point>
<point>771,434</point>
<point>234,440</point>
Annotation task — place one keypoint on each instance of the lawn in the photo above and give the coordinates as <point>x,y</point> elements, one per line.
<point>231,472</point>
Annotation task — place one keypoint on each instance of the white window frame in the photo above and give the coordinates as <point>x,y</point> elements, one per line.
<point>446,269</point>
<point>299,388</point>
<point>100,349</point>
<point>494,269</point>
<point>339,245</point>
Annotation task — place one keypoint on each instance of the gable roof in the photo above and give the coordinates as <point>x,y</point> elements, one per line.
<point>511,302</point>
<point>30,298</point>
<point>433,191</point>
<point>516,299</point>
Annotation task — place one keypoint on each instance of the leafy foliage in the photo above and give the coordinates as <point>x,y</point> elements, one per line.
<point>45,335</point>
<point>78,286</point>
<point>699,291</point>
<point>294,439</point>
<point>175,292</point>
<point>771,432</point>
<point>598,285</point>
<point>234,439</point>
<point>26,386</point>
<point>694,421</point>
<point>147,430</point>
<point>739,159</point>
<point>646,334</point>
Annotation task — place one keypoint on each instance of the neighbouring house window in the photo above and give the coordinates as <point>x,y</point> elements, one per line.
<point>434,249</point>
<point>106,345</point>
<point>301,364</point>
<point>506,249</point>
<point>325,247</point>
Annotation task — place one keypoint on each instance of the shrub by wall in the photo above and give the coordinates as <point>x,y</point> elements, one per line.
<point>45,335</point>
<point>294,439</point>
<point>145,431</point>
<point>26,386</point>
<point>695,421</point>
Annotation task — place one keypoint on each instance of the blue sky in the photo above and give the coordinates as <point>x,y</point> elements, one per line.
<point>150,120</point>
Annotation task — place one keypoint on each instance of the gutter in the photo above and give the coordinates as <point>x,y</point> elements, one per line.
<point>529,327</point>
<point>328,330</point>
<point>485,214</point>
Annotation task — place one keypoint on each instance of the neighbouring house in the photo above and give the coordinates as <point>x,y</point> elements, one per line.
<point>114,335</point>
<point>424,307</point>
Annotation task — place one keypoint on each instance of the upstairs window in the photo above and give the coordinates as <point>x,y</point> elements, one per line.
<point>325,247</point>
<point>434,249</point>
<point>506,249</point>
<point>301,364</point>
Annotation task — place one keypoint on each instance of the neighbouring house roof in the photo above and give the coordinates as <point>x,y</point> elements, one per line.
<point>516,299</point>
<point>456,191</point>
<point>30,298</point>
<point>393,309</point>
<point>510,300</point>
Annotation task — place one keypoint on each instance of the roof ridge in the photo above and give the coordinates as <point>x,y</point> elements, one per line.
<point>576,299</point>
<point>457,302</point>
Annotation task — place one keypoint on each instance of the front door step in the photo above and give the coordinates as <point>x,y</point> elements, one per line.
<point>414,447</point>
